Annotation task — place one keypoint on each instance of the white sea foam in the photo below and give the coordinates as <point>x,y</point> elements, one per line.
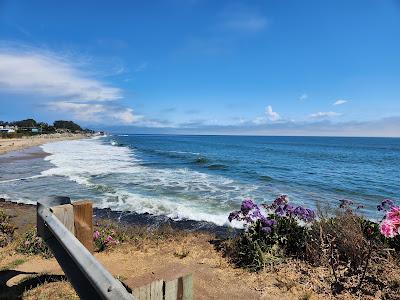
<point>178,193</point>
<point>19,179</point>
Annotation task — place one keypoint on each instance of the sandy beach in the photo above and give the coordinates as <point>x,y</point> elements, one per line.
<point>7,145</point>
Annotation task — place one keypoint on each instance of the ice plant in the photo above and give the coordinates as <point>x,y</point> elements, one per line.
<point>96,235</point>
<point>390,225</point>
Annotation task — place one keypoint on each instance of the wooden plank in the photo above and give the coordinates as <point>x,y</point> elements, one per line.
<point>171,289</point>
<point>65,213</point>
<point>157,290</point>
<point>187,282</point>
<point>83,223</point>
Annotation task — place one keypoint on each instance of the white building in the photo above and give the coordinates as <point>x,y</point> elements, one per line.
<point>8,129</point>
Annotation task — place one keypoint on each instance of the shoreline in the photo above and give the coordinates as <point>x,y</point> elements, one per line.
<point>10,145</point>
<point>128,218</point>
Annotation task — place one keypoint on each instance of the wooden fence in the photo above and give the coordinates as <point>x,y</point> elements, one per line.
<point>67,228</point>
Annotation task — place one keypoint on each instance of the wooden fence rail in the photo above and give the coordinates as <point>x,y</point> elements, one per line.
<point>68,231</point>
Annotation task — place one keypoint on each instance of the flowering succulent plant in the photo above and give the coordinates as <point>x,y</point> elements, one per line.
<point>105,237</point>
<point>390,225</point>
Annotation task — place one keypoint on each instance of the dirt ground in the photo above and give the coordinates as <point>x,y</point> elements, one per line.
<point>34,277</point>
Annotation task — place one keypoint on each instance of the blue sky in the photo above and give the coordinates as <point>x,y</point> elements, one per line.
<point>208,67</point>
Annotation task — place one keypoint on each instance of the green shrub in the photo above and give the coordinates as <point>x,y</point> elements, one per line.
<point>31,244</point>
<point>279,229</point>
<point>6,229</point>
<point>107,236</point>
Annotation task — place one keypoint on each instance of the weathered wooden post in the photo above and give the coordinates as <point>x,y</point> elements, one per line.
<point>172,282</point>
<point>83,220</point>
<point>55,224</point>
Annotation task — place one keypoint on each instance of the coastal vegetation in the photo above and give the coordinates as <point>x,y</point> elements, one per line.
<point>287,251</point>
<point>6,229</point>
<point>345,242</point>
<point>30,127</point>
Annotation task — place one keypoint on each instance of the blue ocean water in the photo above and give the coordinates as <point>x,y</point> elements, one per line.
<point>206,177</point>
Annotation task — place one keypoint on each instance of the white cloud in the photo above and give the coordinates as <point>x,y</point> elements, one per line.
<point>271,115</point>
<point>47,74</point>
<point>327,114</point>
<point>62,85</point>
<point>340,102</point>
<point>247,23</point>
<point>95,112</point>
<point>303,97</point>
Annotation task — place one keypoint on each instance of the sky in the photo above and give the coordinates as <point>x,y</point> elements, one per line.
<point>204,66</point>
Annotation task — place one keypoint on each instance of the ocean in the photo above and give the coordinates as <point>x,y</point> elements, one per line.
<point>204,178</point>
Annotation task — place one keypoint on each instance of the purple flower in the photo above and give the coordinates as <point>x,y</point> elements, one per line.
<point>304,214</point>
<point>345,203</point>
<point>256,213</point>
<point>247,206</point>
<point>385,205</point>
<point>281,200</point>
<point>288,208</point>
<point>280,212</point>
<point>265,222</point>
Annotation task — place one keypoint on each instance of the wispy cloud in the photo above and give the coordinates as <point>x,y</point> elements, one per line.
<point>62,85</point>
<point>339,102</point>
<point>303,97</point>
<point>141,67</point>
<point>47,74</point>
<point>95,112</point>
<point>247,23</point>
<point>324,115</point>
<point>243,18</point>
<point>389,127</point>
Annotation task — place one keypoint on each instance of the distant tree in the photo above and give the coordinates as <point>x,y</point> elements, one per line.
<point>46,128</point>
<point>69,125</point>
<point>25,123</point>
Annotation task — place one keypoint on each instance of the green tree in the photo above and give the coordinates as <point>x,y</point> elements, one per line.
<point>69,125</point>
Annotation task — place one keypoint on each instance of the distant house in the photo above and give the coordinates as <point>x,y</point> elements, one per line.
<point>8,129</point>
<point>35,130</point>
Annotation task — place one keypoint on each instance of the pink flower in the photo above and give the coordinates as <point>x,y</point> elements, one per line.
<point>96,235</point>
<point>394,215</point>
<point>110,240</point>
<point>388,229</point>
<point>390,226</point>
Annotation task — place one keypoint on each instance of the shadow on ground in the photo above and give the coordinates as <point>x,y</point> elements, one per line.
<point>33,280</point>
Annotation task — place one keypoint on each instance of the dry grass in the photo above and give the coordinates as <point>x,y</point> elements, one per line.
<point>145,251</point>
<point>51,290</point>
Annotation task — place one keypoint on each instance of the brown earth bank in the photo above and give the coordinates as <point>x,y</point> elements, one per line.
<point>149,251</point>
<point>7,145</point>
